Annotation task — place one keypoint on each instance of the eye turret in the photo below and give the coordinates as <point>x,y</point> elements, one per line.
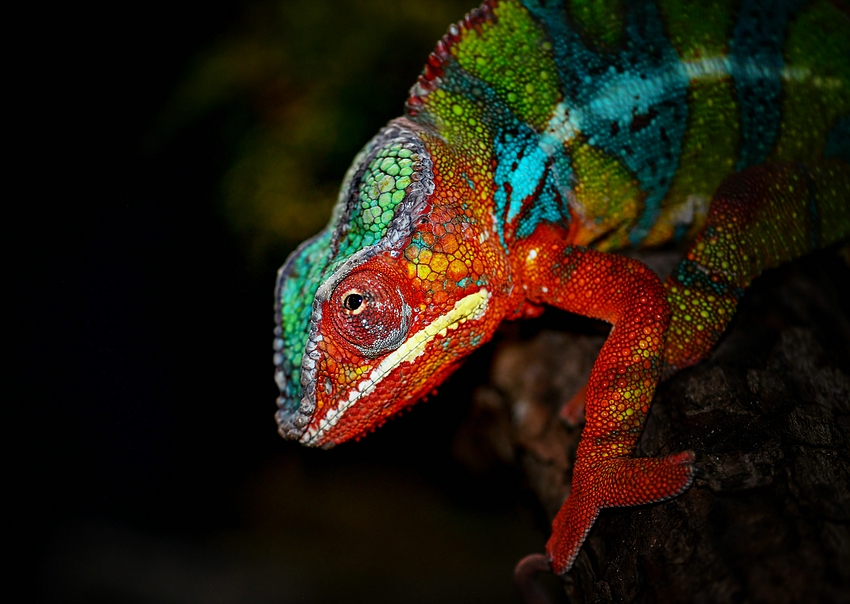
<point>369,311</point>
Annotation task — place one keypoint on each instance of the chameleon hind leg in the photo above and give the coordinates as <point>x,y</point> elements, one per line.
<point>758,219</point>
<point>627,294</point>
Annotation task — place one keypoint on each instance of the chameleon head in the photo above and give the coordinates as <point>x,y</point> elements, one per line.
<point>377,309</point>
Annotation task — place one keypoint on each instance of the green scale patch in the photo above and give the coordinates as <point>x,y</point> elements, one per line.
<point>816,90</point>
<point>382,188</point>
<point>295,298</point>
<point>514,56</point>
<point>599,21</point>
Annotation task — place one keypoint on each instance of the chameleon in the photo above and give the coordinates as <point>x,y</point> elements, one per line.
<point>542,140</point>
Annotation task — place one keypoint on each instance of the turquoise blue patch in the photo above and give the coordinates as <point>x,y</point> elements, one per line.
<point>630,103</point>
<point>530,184</point>
<point>300,279</point>
<point>838,140</point>
<point>756,64</point>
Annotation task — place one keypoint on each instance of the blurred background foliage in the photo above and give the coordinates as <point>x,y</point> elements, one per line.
<point>176,152</point>
<point>304,83</point>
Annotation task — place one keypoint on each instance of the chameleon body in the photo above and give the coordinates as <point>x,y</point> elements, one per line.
<point>540,139</point>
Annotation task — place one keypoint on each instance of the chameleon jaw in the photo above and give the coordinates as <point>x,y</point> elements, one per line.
<point>471,307</point>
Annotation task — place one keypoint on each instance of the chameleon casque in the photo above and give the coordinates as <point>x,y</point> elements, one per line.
<point>542,137</point>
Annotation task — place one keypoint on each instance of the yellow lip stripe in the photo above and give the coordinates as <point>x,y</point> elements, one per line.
<point>469,308</point>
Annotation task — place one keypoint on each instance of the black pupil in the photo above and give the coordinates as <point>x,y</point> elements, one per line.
<point>353,301</point>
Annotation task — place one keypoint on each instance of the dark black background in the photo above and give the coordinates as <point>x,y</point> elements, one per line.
<point>144,461</point>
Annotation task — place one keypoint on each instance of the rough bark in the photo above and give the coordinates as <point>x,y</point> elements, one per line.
<point>768,414</point>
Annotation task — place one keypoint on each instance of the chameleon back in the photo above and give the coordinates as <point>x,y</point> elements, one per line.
<point>619,120</point>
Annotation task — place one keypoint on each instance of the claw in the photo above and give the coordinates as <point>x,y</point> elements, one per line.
<point>607,483</point>
<point>524,572</point>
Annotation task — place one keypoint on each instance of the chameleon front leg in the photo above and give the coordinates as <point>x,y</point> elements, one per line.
<point>627,294</point>
<point>759,218</point>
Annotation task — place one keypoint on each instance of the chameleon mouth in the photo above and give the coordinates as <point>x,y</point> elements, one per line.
<point>469,308</point>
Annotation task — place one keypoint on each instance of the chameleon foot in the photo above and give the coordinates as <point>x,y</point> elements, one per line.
<point>601,483</point>
<point>530,592</point>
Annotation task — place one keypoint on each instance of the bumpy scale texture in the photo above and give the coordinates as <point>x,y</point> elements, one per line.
<point>541,138</point>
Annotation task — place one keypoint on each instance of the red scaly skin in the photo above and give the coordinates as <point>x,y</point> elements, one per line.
<point>420,265</point>
<point>628,295</point>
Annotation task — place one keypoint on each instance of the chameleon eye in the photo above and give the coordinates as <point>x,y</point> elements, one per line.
<point>352,301</point>
<point>370,313</point>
